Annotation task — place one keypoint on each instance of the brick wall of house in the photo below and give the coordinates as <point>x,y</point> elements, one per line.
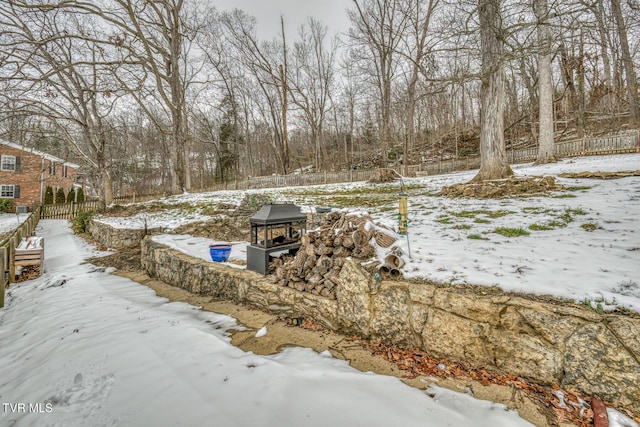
<point>33,170</point>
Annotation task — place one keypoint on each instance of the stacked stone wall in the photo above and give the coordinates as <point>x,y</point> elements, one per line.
<point>119,238</point>
<point>548,343</point>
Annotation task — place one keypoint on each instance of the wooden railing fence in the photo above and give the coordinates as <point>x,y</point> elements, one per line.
<point>624,143</point>
<point>8,250</point>
<point>68,210</point>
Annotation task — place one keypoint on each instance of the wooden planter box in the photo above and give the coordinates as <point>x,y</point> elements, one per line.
<point>30,252</point>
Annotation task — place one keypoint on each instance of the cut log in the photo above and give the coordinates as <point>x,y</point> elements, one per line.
<point>341,252</point>
<point>309,249</point>
<point>360,238</point>
<point>323,265</point>
<point>309,263</point>
<point>307,239</point>
<point>280,272</point>
<point>339,221</point>
<point>338,263</point>
<point>364,252</point>
<point>329,285</point>
<point>347,242</point>
<point>310,287</point>
<point>314,280</point>
<point>384,240</point>
<point>320,248</point>
<point>299,260</point>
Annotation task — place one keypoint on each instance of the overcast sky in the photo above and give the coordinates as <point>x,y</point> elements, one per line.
<point>267,12</point>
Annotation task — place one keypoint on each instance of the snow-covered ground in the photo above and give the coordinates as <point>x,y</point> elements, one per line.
<point>11,221</point>
<point>81,347</point>
<point>453,240</point>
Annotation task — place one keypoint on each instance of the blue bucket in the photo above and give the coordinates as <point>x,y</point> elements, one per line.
<point>220,252</point>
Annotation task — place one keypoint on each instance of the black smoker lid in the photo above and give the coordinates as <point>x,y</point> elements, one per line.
<point>278,214</point>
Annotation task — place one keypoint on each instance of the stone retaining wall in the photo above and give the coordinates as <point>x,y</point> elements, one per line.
<point>118,238</point>
<point>547,343</point>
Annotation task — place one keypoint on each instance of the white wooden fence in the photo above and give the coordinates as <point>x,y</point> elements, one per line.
<point>624,143</point>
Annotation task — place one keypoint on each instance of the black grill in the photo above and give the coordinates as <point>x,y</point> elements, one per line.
<point>274,228</point>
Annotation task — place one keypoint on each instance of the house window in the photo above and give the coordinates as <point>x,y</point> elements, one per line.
<point>52,168</point>
<point>7,191</point>
<point>64,171</point>
<point>8,163</point>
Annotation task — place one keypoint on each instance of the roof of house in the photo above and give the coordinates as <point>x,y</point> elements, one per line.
<point>40,153</point>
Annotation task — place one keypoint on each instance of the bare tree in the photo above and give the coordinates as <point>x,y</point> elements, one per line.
<point>378,27</point>
<point>283,69</point>
<point>572,74</point>
<point>418,17</point>
<point>546,146</point>
<point>493,155</point>
<point>266,62</point>
<point>58,70</point>
<point>345,104</point>
<point>158,35</point>
<point>228,81</point>
<point>311,80</point>
<point>162,31</point>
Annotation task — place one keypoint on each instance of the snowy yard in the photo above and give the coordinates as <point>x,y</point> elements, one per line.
<point>82,347</point>
<point>582,244</point>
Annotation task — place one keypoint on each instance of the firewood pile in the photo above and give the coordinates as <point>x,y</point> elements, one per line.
<point>319,260</point>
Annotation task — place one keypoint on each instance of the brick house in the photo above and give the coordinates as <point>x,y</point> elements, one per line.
<point>25,174</point>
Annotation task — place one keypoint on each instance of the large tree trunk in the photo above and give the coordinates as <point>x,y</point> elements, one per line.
<point>546,146</point>
<point>171,159</point>
<point>493,154</point>
<point>628,62</point>
<point>107,189</point>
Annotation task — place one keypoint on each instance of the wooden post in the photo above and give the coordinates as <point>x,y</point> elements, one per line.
<point>3,268</point>
<point>12,260</point>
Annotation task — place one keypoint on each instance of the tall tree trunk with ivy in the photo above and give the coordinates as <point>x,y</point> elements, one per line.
<point>493,153</point>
